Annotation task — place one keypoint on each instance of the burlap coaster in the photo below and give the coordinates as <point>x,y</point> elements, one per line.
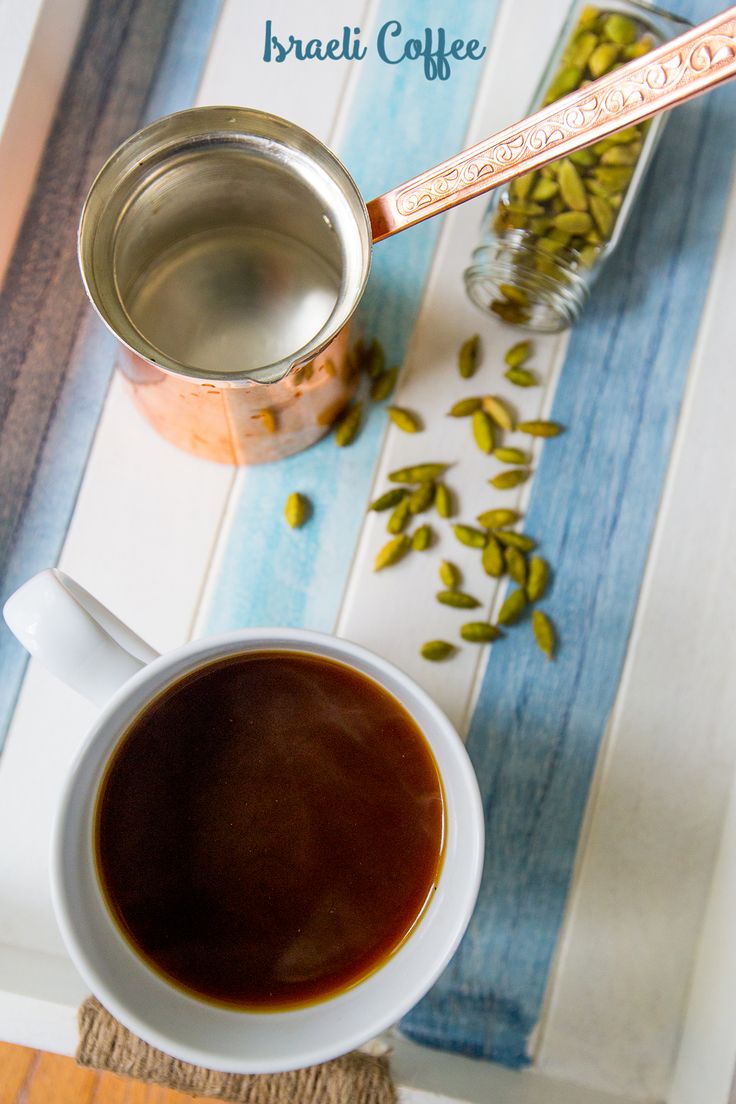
<point>104,1044</point>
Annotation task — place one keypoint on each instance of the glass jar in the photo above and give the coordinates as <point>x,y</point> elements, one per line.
<point>548,233</point>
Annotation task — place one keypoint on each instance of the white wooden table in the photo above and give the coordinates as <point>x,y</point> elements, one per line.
<point>641,1000</point>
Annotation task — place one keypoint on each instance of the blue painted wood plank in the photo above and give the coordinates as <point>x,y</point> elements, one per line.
<point>399,124</point>
<point>538,727</point>
<point>160,56</point>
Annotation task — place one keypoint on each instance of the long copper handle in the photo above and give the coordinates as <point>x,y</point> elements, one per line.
<point>693,63</point>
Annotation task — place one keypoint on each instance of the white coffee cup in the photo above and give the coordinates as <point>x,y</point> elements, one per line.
<point>81,642</point>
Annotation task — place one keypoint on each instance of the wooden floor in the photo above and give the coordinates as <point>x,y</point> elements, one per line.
<point>34,1077</point>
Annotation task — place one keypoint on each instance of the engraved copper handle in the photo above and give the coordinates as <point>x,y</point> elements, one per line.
<point>688,65</point>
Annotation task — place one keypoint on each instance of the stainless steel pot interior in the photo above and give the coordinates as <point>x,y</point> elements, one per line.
<point>224,243</point>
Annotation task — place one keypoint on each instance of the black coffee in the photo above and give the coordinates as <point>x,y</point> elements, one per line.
<point>269,829</point>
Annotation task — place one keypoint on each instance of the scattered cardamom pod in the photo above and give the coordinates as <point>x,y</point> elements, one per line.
<point>537,578</point>
<point>347,428</point>
<point>509,538</point>
<point>467,535</point>
<point>450,575</point>
<point>518,354</point>
<point>544,633</point>
<point>492,559</point>
<point>418,473</point>
<point>520,377</point>
<point>404,419</point>
<point>374,359</point>
<point>399,518</point>
<point>443,503</point>
<point>515,564</point>
<point>422,497</point>
<point>463,408</point>
<point>479,632</point>
<point>392,552</point>
<point>268,418</point>
<point>389,499</point>
<point>297,509</point>
<point>383,385</point>
<point>541,428</point>
<point>498,518</point>
<point>422,538</point>
<point>457,599</point>
<point>512,608</point>
<point>499,412</point>
<point>437,650</point>
<point>510,478</point>
<point>483,431</point>
<point>468,357</point>
<point>511,455</point>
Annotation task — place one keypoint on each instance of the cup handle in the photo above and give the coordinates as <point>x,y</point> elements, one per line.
<point>74,636</point>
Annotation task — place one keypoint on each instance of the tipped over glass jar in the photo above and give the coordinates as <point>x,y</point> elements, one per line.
<point>548,233</point>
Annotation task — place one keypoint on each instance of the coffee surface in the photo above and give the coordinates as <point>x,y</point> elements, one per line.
<point>269,829</point>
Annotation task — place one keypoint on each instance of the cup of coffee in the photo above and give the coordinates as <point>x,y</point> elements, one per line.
<point>270,844</point>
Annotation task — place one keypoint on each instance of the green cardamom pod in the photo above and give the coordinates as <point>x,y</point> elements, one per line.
<point>585,158</point>
<point>544,633</point>
<point>510,539</point>
<point>622,155</point>
<point>510,478</point>
<point>545,190</point>
<point>418,473</point>
<point>468,357</point>
<point>509,312</point>
<point>541,428</point>
<point>392,552</point>
<point>516,294</point>
<point>480,632</point>
<point>457,599</point>
<point>572,187</point>
<point>638,49</point>
<point>375,359</point>
<point>518,354</point>
<point>567,80</point>
<point>498,518</point>
<point>404,419</point>
<point>603,213</point>
<point>537,578</point>
<point>296,510</point>
<point>512,608</point>
<point>399,518</point>
<point>389,499</point>
<point>613,177</point>
<point>383,385</point>
<point>603,58</point>
<point>492,559</point>
<point>422,497</point>
<point>450,575</point>
<point>515,564</point>
<point>347,428</point>
<point>511,455</point>
<point>620,29</point>
<point>443,502</point>
<point>473,538</point>
<point>581,47</point>
<point>520,377</point>
<point>483,431</point>
<point>499,412</point>
<point>436,650</point>
<point>422,538</point>
<point>464,408</point>
<point>573,222</point>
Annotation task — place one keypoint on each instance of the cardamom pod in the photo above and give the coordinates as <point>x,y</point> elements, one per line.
<point>418,473</point>
<point>537,578</point>
<point>436,650</point>
<point>422,497</point>
<point>347,428</point>
<point>443,503</point>
<point>544,633</point>
<point>450,575</point>
<point>422,538</point>
<point>512,608</point>
<point>399,519</point>
<point>509,538</point>
<point>518,354</point>
<point>545,189</point>
<point>464,408</point>
<point>510,478</point>
<point>516,294</point>
<point>619,29</point>
<point>498,518</point>
<point>383,385</point>
<point>573,222</point>
<point>603,58</point>
<point>572,187</point>
<point>457,599</point>
<point>622,155</point>
<point>511,455</point>
<point>389,499</point>
<point>468,357</point>
<point>268,418</point>
<point>603,213</point>
<point>404,419</point>
<point>499,412</point>
<point>472,538</point>
<point>521,378</point>
<point>483,431</point>
<point>392,552</point>
<point>509,312</point>
<point>541,428</point>
<point>479,632</point>
<point>492,559</point>
<point>296,509</point>
<point>515,564</point>
<point>375,359</point>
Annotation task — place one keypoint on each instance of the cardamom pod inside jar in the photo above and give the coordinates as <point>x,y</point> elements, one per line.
<point>547,235</point>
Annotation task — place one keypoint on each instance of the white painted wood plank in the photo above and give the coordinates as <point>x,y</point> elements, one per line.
<point>617,999</point>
